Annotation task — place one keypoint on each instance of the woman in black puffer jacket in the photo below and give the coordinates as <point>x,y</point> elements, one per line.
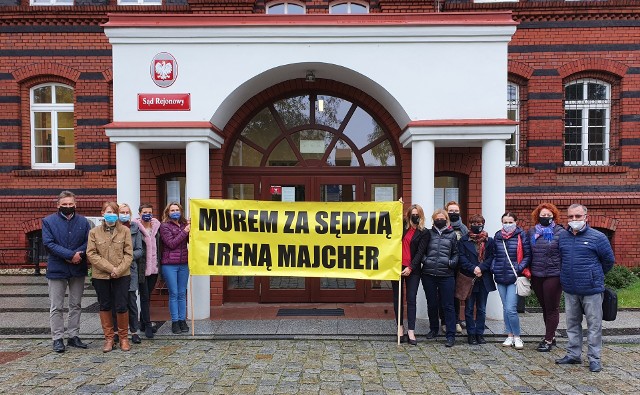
<point>438,271</point>
<point>545,268</point>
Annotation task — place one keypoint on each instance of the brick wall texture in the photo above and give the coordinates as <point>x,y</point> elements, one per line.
<point>556,42</point>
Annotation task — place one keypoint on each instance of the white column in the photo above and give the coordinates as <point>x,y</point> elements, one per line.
<point>493,200</point>
<point>128,175</point>
<point>197,187</point>
<point>422,180</point>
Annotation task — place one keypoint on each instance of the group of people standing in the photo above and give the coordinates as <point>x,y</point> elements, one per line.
<point>573,260</point>
<point>126,256</point>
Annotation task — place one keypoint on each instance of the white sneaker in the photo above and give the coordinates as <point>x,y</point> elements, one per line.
<point>518,344</point>
<point>444,328</point>
<point>458,329</point>
<point>509,342</point>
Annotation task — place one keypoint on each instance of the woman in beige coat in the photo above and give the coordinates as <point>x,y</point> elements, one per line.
<point>110,252</point>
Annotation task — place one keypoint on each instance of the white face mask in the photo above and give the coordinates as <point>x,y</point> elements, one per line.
<point>577,225</point>
<point>509,227</point>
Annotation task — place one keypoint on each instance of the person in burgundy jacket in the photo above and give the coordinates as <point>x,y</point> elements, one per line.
<point>174,234</point>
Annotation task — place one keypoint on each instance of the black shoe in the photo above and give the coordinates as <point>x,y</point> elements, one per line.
<point>58,345</point>
<point>567,360</point>
<point>404,339</point>
<point>450,342</point>
<point>481,339</point>
<point>154,328</point>
<point>142,326</point>
<point>472,340</point>
<point>183,326</point>
<point>544,346</point>
<point>116,339</point>
<point>413,342</point>
<point>175,327</point>
<point>595,366</point>
<point>76,342</point>
<point>136,339</point>
<point>432,334</point>
<point>148,332</point>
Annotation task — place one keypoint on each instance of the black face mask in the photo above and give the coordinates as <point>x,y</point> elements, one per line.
<point>476,229</point>
<point>67,211</point>
<point>415,219</point>
<point>440,223</point>
<point>454,217</point>
<point>545,221</point>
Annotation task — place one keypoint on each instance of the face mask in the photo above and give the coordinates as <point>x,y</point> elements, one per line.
<point>110,218</point>
<point>415,219</point>
<point>576,225</point>
<point>476,229</point>
<point>440,223</point>
<point>147,217</point>
<point>67,211</point>
<point>545,221</point>
<point>124,217</point>
<point>509,227</point>
<point>175,216</point>
<point>454,217</point>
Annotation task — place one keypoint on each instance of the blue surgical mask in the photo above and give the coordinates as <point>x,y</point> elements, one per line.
<point>175,215</point>
<point>509,227</point>
<point>110,218</point>
<point>124,217</point>
<point>147,217</point>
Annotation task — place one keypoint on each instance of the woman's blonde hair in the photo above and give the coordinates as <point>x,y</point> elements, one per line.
<point>407,216</point>
<point>441,211</point>
<point>165,213</point>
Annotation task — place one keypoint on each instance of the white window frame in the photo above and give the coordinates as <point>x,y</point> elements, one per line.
<point>139,2</point>
<point>514,105</point>
<point>286,6</point>
<point>52,108</point>
<point>585,105</point>
<point>51,2</point>
<point>348,3</point>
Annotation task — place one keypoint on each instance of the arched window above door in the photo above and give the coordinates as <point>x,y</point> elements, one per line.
<point>312,130</point>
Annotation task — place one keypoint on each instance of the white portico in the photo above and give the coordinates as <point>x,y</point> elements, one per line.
<point>442,77</point>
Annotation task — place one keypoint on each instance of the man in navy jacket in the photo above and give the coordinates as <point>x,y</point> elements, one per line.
<point>586,257</point>
<point>65,234</point>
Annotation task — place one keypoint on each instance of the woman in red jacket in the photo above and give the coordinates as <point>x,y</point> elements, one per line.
<point>174,234</point>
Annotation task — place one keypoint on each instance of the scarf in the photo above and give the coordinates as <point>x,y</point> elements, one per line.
<point>519,250</point>
<point>480,242</point>
<point>150,241</point>
<point>545,231</point>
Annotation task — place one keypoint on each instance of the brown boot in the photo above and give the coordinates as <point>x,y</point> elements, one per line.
<point>107,327</point>
<point>123,331</point>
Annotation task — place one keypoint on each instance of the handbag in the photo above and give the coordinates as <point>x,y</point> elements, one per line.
<point>464,286</point>
<point>609,305</point>
<point>523,284</point>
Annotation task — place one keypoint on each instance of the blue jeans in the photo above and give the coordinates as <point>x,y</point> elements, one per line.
<point>510,308</point>
<point>176,277</point>
<point>479,300</point>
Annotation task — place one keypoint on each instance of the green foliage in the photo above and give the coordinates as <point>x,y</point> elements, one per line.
<point>630,296</point>
<point>636,271</point>
<point>619,277</point>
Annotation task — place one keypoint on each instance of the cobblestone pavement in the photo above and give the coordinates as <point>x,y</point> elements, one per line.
<point>312,366</point>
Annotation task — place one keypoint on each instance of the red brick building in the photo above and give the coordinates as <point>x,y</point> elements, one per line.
<point>573,83</point>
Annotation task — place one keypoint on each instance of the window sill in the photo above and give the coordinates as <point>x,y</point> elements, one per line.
<point>520,170</point>
<point>48,173</point>
<point>591,169</point>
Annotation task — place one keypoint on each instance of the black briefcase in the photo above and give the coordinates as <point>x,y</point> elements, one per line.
<point>609,305</point>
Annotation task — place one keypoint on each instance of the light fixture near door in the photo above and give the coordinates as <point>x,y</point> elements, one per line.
<point>310,77</point>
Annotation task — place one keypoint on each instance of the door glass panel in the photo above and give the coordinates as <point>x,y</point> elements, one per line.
<point>362,129</point>
<point>337,193</point>
<point>380,155</point>
<point>283,155</point>
<point>240,192</point>
<point>262,129</point>
<point>342,155</point>
<point>331,110</point>
<point>312,143</point>
<point>294,111</point>
<point>287,193</point>
<point>383,193</point>
<point>446,189</point>
<point>244,155</point>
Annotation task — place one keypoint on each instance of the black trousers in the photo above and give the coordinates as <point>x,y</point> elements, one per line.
<point>146,288</point>
<point>132,307</point>
<point>112,293</point>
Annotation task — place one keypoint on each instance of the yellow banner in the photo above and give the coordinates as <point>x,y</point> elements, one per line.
<point>360,240</point>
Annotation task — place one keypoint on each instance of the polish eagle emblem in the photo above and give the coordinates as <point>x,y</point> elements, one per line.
<point>164,70</point>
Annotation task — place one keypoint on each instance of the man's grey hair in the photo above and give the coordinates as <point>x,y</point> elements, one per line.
<point>66,194</point>
<point>576,205</point>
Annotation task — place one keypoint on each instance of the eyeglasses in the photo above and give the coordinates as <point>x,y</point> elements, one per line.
<point>577,216</point>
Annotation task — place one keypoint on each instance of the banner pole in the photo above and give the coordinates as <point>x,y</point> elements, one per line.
<point>193,329</point>
<point>399,307</point>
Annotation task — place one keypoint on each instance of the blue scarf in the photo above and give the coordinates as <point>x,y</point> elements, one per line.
<point>545,231</point>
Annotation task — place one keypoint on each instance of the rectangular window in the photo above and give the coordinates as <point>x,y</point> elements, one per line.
<point>139,2</point>
<point>513,113</point>
<point>50,2</point>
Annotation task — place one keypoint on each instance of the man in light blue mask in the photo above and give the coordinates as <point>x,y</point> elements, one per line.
<point>586,257</point>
